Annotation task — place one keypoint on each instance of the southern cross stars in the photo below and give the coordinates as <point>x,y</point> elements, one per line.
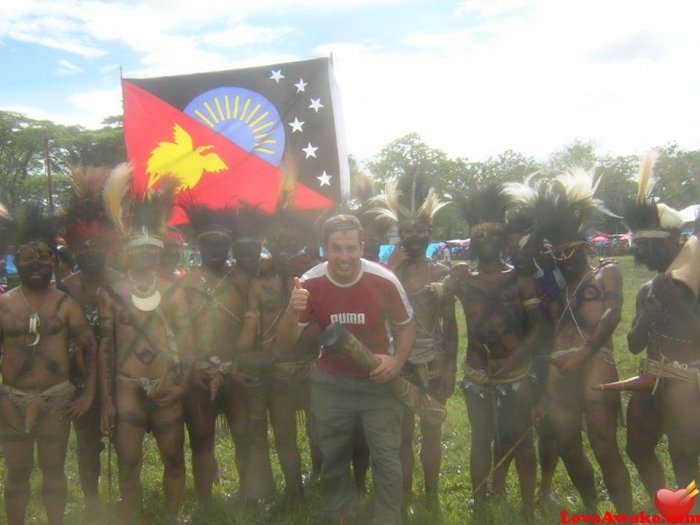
<point>301,85</point>
<point>276,75</point>
<point>324,179</point>
<point>315,104</point>
<point>310,150</point>
<point>296,125</point>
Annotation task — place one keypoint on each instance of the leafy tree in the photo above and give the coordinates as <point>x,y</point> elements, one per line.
<point>678,174</point>
<point>26,145</point>
<point>578,153</point>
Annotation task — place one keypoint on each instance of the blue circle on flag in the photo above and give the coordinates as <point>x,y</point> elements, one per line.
<point>244,117</point>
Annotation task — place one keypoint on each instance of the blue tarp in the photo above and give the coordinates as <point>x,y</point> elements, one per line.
<point>385,251</point>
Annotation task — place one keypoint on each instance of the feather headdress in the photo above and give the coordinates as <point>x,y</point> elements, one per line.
<point>250,222</point>
<point>205,220</point>
<point>34,225</point>
<point>143,219</point>
<point>484,209</point>
<point>408,199</point>
<point>644,215</point>
<point>523,199</point>
<point>363,192</point>
<point>566,204</point>
<point>85,217</point>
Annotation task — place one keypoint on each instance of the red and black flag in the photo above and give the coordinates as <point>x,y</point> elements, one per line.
<point>253,135</point>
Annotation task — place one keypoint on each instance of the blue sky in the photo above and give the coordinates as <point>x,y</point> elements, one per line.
<point>473,77</point>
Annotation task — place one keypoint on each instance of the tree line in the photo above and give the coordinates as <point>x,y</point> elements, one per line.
<point>29,147</point>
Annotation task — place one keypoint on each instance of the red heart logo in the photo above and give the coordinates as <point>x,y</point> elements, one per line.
<point>672,505</point>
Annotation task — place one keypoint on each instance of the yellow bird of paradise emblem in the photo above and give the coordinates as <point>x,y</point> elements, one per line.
<point>180,160</point>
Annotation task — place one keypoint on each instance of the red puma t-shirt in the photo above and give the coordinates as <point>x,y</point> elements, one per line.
<point>363,307</point>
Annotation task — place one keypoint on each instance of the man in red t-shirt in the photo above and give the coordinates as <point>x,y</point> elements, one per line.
<point>362,296</point>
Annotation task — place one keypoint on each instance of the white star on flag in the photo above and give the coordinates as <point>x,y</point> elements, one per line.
<point>276,75</point>
<point>301,85</point>
<point>310,150</point>
<point>315,104</point>
<point>296,125</point>
<point>325,179</point>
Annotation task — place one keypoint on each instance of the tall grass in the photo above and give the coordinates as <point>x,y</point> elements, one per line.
<point>455,483</point>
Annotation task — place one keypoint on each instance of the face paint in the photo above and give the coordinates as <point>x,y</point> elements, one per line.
<point>214,248</point>
<point>415,247</point>
<point>34,263</point>
<point>35,275</point>
<point>143,259</point>
<point>415,237</point>
<point>91,261</point>
<point>486,247</point>
<point>247,255</point>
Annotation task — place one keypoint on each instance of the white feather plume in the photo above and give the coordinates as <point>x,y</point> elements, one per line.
<point>645,179</point>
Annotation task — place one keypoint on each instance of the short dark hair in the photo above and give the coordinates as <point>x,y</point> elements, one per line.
<point>339,223</point>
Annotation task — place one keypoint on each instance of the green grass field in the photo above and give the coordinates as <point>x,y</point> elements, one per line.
<point>455,482</point>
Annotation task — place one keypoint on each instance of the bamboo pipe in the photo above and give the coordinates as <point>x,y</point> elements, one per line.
<point>342,343</point>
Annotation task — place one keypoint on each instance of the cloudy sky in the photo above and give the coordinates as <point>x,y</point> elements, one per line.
<point>472,77</point>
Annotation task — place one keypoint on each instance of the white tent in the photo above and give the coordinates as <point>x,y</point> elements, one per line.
<point>690,212</point>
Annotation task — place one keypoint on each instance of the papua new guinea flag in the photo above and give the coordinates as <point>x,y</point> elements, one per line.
<point>240,135</point>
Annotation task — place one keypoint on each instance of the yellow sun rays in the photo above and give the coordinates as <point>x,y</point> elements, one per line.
<point>220,109</point>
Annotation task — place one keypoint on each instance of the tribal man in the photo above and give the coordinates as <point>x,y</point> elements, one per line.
<point>144,370</point>
<point>664,312</point>
<point>288,386</point>
<point>497,300</point>
<point>217,292</point>
<point>36,396</point>
<point>88,235</point>
<point>582,354</point>
<point>526,252</point>
<point>432,363</point>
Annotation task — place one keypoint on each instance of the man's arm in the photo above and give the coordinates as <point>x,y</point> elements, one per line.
<point>391,365</point>
<point>611,284</point>
<point>84,338</point>
<point>638,336</point>
<point>450,338</point>
<point>289,329</point>
<point>106,360</point>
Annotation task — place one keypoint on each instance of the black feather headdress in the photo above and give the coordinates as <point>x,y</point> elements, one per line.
<point>644,215</point>
<point>206,220</point>
<point>484,209</point>
<point>565,206</point>
<point>35,225</point>
<point>249,222</point>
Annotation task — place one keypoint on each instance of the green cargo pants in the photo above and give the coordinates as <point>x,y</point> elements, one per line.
<point>338,402</point>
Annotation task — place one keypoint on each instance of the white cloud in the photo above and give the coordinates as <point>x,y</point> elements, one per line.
<point>243,34</point>
<point>68,68</point>
<point>531,82</point>
<point>87,109</point>
<point>527,75</point>
<point>449,40</point>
